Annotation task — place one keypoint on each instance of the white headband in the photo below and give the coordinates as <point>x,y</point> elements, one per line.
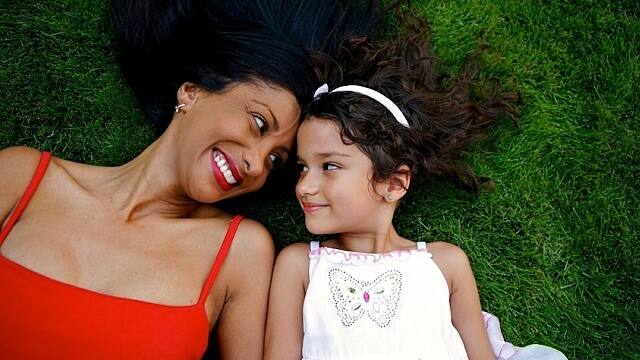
<point>385,101</point>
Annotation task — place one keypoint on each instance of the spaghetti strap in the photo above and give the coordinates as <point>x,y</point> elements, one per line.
<point>45,157</point>
<point>222,254</point>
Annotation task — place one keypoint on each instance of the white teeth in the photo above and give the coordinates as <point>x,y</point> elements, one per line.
<point>229,177</point>
<point>221,161</point>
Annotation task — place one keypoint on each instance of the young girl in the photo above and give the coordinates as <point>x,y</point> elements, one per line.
<point>367,292</point>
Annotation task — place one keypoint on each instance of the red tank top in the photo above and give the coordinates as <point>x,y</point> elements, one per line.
<point>42,318</point>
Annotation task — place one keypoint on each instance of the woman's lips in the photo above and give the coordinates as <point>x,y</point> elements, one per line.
<point>312,207</point>
<point>224,170</point>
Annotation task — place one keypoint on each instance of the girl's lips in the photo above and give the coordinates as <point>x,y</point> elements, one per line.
<point>232,177</point>
<point>312,207</point>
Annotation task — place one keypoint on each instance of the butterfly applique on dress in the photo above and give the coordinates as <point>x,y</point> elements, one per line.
<point>378,298</point>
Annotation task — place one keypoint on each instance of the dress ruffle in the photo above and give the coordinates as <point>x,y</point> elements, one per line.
<point>506,351</point>
<point>337,256</point>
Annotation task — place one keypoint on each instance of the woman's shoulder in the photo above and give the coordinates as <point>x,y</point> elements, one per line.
<point>254,234</point>
<point>252,242</point>
<point>294,258</point>
<point>294,252</point>
<point>292,264</point>
<point>18,162</point>
<point>17,166</point>
<point>251,238</point>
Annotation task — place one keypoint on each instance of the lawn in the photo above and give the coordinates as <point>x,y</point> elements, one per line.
<point>553,244</point>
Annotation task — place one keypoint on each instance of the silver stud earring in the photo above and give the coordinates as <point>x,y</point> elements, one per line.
<point>389,197</point>
<point>178,107</point>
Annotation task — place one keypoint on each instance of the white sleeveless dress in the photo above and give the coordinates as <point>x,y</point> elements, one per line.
<point>377,306</point>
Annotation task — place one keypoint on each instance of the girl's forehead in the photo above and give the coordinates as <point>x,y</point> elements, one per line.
<point>318,137</point>
<point>319,132</point>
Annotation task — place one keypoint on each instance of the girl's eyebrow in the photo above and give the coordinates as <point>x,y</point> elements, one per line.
<point>325,155</point>
<point>331,153</point>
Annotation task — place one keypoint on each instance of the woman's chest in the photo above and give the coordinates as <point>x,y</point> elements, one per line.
<point>159,262</point>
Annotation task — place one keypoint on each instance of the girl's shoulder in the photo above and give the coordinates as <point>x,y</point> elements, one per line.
<point>451,259</point>
<point>446,251</point>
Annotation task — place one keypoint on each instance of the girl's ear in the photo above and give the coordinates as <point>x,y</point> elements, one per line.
<point>397,185</point>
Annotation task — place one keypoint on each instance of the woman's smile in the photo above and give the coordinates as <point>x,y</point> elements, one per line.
<point>224,169</point>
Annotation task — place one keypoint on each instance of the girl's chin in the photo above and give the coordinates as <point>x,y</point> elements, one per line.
<point>317,229</point>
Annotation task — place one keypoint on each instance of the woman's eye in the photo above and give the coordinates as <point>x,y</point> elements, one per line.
<point>329,166</point>
<point>262,125</point>
<point>303,168</point>
<point>276,160</point>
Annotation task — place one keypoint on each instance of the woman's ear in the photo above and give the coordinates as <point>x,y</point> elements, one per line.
<point>397,185</point>
<point>187,96</point>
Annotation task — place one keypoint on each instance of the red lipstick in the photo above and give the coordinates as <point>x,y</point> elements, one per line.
<point>220,161</point>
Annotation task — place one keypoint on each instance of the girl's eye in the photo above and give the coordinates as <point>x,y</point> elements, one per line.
<point>262,125</point>
<point>303,168</point>
<point>329,166</point>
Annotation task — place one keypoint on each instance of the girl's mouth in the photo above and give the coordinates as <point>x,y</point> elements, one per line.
<point>224,170</point>
<point>312,207</point>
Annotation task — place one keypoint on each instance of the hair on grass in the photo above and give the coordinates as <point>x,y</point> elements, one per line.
<point>215,43</point>
<point>443,115</point>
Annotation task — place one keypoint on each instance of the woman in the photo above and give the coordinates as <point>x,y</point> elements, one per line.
<point>119,262</point>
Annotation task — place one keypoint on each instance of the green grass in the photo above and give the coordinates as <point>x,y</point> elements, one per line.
<point>554,245</point>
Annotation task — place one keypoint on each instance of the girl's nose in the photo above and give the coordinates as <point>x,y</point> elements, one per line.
<point>307,185</point>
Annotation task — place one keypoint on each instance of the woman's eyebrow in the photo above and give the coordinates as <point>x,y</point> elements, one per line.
<point>276,125</point>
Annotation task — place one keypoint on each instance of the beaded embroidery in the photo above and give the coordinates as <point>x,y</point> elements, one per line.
<point>379,298</point>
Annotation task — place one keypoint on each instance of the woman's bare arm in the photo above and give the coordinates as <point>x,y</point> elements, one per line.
<point>466,312</point>
<point>241,324</point>
<point>284,323</point>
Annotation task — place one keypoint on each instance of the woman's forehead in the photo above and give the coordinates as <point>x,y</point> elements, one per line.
<point>278,102</point>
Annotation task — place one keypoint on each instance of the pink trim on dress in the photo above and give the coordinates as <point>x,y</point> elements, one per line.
<point>338,256</point>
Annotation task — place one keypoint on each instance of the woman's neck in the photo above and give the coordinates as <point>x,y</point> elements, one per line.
<point>148,185</point>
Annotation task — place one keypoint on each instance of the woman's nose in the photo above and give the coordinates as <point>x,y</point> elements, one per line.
<point>253,163</point>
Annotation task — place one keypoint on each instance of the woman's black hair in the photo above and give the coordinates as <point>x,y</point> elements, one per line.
<point>443,115</point>
<point>214,43</point>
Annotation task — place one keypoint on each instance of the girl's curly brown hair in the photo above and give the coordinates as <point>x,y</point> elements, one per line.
<point>442,116</point>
